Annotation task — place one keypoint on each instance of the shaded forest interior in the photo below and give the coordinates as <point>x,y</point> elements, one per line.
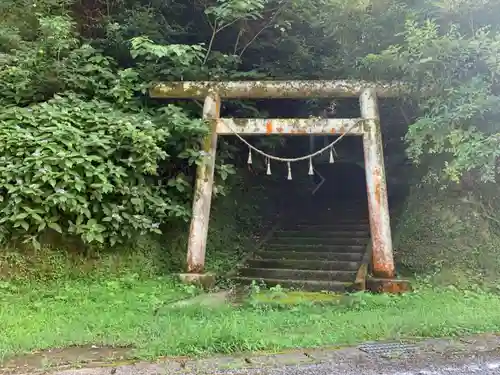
<point>344,180</point>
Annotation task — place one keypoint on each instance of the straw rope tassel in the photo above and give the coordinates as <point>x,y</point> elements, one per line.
<point>311,171</point>
<point>332,160</point>
<point>249,156</point>
<point>289,171</point>
<point>268,161</point>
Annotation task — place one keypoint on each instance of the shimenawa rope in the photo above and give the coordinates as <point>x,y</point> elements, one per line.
<point>300,158</point>
<point>291,160</point>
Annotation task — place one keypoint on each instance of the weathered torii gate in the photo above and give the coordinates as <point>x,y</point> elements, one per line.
<point>368,126</point>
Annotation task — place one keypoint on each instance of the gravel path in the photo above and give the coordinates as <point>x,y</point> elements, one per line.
<point>467,365</point>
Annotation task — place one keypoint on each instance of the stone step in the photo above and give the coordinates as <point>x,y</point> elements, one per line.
<point>298,274</point>
<point>328,227</point>
<point>310,255</point>
<point>324,223</point>
<point>321,233</point>
<point>333,213</point>
<point>306,211</point>
<point>304,264</point>
<point>305,248</point>
<point>324,202</point>
<point>318,217</point>
<point>317,241</point>
<point>314,249</point>
<point>325,205</point>
<point>350,214</point>
<point>306,285</point>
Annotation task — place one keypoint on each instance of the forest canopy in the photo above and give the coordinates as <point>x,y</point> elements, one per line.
<point>85,152</point>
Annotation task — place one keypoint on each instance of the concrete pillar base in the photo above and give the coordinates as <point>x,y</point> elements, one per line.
<point>203,280</point>
<point>377,285</point>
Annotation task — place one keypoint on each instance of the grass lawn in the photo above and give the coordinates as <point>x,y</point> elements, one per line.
<point>130,312</point>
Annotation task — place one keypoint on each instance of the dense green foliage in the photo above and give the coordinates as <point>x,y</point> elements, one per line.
<point>454,58</point>
<point>87,153</point>
<point>451,237</point>
<point>82,154</point>
<point>88,160</point>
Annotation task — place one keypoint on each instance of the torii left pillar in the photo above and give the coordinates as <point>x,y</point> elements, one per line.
<point>198,232</point>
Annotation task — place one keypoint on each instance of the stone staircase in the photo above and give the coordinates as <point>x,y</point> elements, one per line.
<point>315,248</point>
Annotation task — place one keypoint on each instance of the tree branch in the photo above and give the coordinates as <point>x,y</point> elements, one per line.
<point>211,43</point>
<point>215,32</point>
<point>235,50</point>
<point>269,23</point>
<point>216,28</point>
<point>405,116</point>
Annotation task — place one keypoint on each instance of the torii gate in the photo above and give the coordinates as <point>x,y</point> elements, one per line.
<point>368,127</point>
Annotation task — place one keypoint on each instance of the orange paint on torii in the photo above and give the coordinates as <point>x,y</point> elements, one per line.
<point>269,127</point>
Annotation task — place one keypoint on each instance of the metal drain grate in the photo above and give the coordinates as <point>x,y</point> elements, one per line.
<point>388,349</point>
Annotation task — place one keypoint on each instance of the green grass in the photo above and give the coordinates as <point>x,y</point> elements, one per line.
<point>122,312</point>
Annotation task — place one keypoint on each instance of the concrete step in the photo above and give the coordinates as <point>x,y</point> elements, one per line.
<point>318,248</point>
<point>324,203</point>
<point>336,214</point>
<point>325,265</point>
<point>306,285</point>
<point>317,241</point>
<point>352,214</point>
<point>305,248</point>
<point>298,274</point>
<point>327,227</point>
<point>331,215</point>
<point>321,233</point>
<point>329,221</point>
<point>310,255</point>
<point>333,212</point>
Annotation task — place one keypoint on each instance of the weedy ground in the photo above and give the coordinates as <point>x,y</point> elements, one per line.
<point>55,300</point>
<point>134,312</point>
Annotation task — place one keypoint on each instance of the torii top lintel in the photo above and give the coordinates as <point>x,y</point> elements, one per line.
<point>273,89</point>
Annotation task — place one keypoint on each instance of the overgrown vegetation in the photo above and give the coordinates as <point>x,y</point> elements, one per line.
<point>87,154</point>
<point>132,312</point>
<point>235,227</point>
<point>450,236</point>
<point>96,178</point>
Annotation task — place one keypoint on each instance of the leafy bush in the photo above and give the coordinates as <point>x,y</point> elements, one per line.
<point>456,134</point>
<point>82,154</point>
<point>450,235</point>
<point>81,167</point>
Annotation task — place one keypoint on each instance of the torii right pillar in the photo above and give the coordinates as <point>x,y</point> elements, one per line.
<point>380,227</point>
